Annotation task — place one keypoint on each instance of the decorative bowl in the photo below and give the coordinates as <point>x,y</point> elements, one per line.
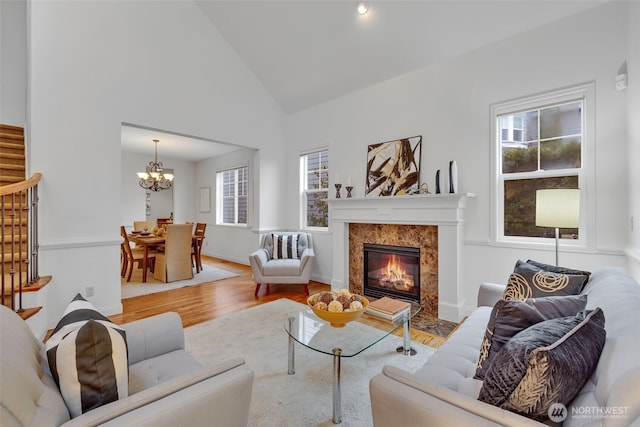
<point>338,319</point>
<point>136,232</point>
<point>145,233</point>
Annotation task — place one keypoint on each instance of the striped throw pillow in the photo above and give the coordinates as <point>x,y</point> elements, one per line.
<point>87,355</point>
<point>285,246</point>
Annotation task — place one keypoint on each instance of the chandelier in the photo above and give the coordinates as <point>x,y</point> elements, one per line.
<point>154,179</point>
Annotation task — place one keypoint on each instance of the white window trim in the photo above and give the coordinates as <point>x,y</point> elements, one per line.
<point>220,196</point>
<point>586,181</point>
<point>302,186</point>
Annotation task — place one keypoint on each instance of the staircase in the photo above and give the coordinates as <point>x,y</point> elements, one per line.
<point>12,160</point>
<point>18,224</point>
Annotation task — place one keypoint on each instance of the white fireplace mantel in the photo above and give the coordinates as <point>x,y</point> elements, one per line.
<point>446,211</point>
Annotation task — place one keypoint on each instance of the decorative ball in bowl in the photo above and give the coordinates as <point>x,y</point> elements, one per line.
<point>337,307</point>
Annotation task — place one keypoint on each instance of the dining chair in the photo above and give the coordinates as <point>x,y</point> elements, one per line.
<point>164,221</point>
<point>133,256</point>
<point>175,262</point>
<point>143,225</point>
<point>123,260</point>
<point>196,245</point>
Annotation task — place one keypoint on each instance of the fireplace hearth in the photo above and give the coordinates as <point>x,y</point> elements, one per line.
<point>392,271</point>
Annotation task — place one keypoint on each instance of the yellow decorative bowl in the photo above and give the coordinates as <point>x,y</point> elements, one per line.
<point>339,319</point>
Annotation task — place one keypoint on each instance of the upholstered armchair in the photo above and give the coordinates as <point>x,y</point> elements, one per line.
<point>283,257</point>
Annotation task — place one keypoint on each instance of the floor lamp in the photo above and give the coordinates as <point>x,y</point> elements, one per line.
<point>558,208</point>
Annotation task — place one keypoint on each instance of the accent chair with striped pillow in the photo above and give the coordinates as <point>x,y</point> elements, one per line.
<point>284,257</point>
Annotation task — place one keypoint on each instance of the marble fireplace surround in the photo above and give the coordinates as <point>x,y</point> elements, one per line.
<point>445,211</point>
<point>424,237</point>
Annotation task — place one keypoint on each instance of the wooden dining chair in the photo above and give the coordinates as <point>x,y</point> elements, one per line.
<point>143,225</point>
<point>133,256</point>
<point>196,245</point>
<point>164,221</point>
<point>175,263</point>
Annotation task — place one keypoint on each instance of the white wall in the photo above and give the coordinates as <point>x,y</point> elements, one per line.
<point>633,95</point>
<point>449,105</point>
<point>233,243</point>
<point>13,62</point>
<point>95,65</point>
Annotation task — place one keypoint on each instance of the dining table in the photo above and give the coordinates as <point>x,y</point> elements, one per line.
<point>152,240</point>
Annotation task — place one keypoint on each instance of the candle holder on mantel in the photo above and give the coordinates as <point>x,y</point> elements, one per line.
<point>338,187</point>
<point>349,189</point>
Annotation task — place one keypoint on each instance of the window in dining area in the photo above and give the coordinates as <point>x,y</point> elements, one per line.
<point>232,191</point>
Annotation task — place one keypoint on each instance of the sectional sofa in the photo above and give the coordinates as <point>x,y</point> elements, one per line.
<point>444,391</point>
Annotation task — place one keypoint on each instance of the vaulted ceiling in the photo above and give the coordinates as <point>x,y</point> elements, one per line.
<point>306,52</point>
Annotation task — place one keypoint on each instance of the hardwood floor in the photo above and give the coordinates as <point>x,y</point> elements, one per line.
<point>200,303</point>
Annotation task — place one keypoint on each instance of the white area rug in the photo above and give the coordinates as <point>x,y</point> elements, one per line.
<point>304,399</point>
<point>135,287</point>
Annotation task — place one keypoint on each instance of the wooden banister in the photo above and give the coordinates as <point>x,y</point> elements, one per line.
<point>19,231</point>
<point>21,186</point>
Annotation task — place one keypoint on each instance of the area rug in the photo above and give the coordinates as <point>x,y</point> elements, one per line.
<point>304,399</point>
<point>135,287</point>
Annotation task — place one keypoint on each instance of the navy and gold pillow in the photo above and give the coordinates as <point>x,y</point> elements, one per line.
<point>559,269</point>
<point>87,355</point>
<point>547,363</point>
<point>508,318</point>
<point>531,281</point>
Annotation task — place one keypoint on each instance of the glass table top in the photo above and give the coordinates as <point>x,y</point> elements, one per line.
<point>314,333</point>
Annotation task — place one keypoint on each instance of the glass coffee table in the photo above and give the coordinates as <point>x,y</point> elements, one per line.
<point>307,329</point>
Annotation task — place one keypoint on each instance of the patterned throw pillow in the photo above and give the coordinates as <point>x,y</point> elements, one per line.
<point>510,317</point>
<point>285,246</point>
<point>558,269</point>
<point>545,364</point>
<point>530,281</point>
<point>87,355</point>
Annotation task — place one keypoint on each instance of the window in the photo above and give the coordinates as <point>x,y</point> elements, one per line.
<point>539,143</point>
<point>232,196</point>
<point>314,178</point>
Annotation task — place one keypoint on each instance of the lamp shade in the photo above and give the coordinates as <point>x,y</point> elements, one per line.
<point>558,208</point>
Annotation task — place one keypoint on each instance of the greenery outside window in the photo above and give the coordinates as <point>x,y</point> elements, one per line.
<point>232,191</point>
<point>540,143</point>
<point>314,182</point>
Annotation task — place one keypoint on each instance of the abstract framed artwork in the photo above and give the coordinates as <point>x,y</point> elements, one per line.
<point>393,167</point>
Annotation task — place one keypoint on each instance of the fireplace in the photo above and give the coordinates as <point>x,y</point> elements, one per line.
<point>392,271</point>
<point>432,222</point>
<point>420,242</point>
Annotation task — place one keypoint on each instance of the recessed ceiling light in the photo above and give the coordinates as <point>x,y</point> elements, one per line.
<point>362,7</point>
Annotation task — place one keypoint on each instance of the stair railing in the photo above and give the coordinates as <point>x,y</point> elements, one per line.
<point>19,253</point>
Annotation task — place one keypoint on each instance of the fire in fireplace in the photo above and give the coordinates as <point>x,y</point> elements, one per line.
<point>392,271</point>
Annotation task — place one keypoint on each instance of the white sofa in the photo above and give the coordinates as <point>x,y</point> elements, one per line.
<point>444,393</point>
<point>167,386</point>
